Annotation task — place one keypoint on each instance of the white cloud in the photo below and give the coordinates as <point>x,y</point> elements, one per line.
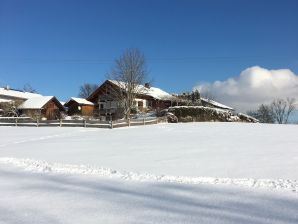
<point>253,87</point>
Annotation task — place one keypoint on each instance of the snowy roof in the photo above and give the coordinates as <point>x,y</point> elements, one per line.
<point>5,101</point>
<point>36,102</point>
<point>17,94</point>
<point>80,101</point>
<point>216,104</point>
<point>152,91</point>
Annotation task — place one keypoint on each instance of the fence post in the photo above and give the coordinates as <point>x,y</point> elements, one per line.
<point>128,122</point>
<point>37,122</point>
<point>16,121</point>
<point>144,121</point>
<point>157,120</point>
<point>111,124</point>
<point>84,123</point>
<point>60,122</point>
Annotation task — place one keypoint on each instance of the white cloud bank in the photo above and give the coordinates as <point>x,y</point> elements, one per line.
<point>253,87</point>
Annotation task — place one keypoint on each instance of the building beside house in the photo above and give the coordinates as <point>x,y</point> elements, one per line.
<point>43,107</point>
<point>106,98</point>
<point>79,106</point>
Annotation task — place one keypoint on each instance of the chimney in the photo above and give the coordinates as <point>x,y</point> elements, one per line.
<point>147,85</point>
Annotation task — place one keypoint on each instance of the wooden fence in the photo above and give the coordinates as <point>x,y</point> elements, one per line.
<point>28,122</point>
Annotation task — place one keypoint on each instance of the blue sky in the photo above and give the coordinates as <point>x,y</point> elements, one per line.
<point>58,45</point>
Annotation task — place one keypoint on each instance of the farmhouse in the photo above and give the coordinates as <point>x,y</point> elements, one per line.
<point>79,106</point>
<point>106,98</point>
<point>12,95</point>
<point>47,107</point>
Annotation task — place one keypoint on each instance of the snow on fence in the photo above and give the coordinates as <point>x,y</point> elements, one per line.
<point>29,122</point>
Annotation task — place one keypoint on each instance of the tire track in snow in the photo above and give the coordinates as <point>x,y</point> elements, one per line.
<point>45,167</point>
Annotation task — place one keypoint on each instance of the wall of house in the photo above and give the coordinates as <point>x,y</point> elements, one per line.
<point>107,105</point>
<point>141,104</point>
<point>34,113</point>
<point>52,111</point>
<point>73,109</point>
<point>76,109</point>
<point>87,110</point>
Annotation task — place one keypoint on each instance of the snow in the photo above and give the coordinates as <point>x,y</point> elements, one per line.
<point>17,94</point>
<point>36,102</point>
<point>43,166</point>
<point>152,91</point>
<point>216,104</point>
<point>5,101</point>
<point>167,173</point>
<point>28,198</point>
<point>235,150</point>
<point>80,101</point>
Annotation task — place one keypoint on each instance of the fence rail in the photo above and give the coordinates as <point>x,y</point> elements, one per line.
<point>28,122</point>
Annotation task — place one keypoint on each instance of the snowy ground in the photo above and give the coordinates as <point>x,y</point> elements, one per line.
<point>167,173</point>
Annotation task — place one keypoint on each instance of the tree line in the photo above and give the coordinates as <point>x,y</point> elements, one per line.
<point>278,111</point>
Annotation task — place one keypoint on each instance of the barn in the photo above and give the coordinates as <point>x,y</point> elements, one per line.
<point>79,106</point>
<point>44,107</point>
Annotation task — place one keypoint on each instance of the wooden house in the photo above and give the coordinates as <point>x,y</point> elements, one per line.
<point>44,107</point>
<point>106,98</point>
<point>79,106</point>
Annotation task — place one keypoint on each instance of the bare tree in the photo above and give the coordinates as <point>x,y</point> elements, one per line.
<point>28,88</point>
<point>282,109</point>
<point>87,89</point>
<point>263,114</point>
<point>207,94</point>
<point>129,72</point>
<point>10,109</point>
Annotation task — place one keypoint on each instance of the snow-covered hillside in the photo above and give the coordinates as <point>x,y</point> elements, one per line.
<point>233,150</point>
<point>166,173</point>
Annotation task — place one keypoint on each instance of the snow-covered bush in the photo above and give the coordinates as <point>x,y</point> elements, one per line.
<point>247,118</point>
<point>201,113</point>
<point>171,118</point>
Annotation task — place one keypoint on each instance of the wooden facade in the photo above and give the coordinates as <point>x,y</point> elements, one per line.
<point>51,110</point>
<point>75,108</point>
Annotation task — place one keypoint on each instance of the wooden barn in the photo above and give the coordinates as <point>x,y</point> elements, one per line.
<point>44,107</point>
<point>106,101</point>
<point>79,106</point>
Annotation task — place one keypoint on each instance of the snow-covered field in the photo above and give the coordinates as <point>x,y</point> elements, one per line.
<point>166,173</point>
